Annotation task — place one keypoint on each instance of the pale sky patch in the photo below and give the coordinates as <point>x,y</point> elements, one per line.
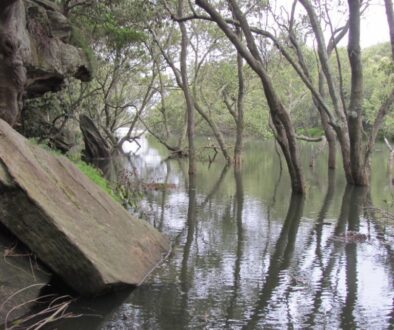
<point>374,28</point>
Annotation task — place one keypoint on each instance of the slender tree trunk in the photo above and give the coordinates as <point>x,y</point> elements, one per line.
<point>331,141</point>
<point>281,119</point>
<point>239,114</point>
<point>344,142</point>
<point>328,130</point>
<point>390,20</point>
<point>323,58</point>
<point>285,136</point>
<point>216,132</point>
<point>341,128</point>
<point>186,91</point>
<point>357,164</point>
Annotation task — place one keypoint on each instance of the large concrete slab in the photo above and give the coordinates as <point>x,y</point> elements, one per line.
<point>73,226</point>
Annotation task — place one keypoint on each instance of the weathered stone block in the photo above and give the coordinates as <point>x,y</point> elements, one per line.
<point>73,226</point>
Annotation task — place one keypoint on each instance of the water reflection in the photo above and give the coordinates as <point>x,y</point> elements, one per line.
<point>239,204</point>
<point>317,234</point>
<point>279,261</point>
<point>185,277</point>
<point>248,255</point>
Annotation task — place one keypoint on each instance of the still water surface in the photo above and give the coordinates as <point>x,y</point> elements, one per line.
<point>248,255</point>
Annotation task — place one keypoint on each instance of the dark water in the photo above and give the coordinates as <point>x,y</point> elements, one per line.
<point>248,255</point>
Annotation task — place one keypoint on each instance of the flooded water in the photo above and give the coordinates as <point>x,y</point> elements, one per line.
<point>248,255</point>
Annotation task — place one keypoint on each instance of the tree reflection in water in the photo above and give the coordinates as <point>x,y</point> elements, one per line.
<point>248,255</point>
<point>280,259</point>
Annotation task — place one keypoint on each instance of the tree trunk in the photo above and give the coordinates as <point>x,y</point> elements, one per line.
<point>328,130</point>
<point>323,58</point>
<point>216,132</point>
<point>186,91</point>
<point>239,114</point>
<point>344,142</point>
<point>286,138</point>
<point>281,119</point>
<point>390,20</point>
<point>354,116</point>
<point>341,128</point>
<point>331,140</point>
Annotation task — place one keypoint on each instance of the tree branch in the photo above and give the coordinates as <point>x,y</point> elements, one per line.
<point>250,58</point>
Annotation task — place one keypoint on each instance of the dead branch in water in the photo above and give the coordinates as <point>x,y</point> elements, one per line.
<point>310,139</point>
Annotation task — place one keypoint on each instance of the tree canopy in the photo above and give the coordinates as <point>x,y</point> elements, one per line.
<point>228,69</point>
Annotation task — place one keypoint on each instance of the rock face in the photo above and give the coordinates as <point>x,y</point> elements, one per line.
<point>12,54</point>
<point>35,53</point>
<point>95,145</point>
<point>51,56</point>
<point>73,226</point>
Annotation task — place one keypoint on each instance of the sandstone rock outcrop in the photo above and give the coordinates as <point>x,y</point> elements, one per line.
<point>51,56</point>
<point>35,53</point>
<point>73,226</point>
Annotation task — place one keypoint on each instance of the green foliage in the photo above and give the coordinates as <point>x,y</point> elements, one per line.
<point>378,80</point>
<point>175,109</point>
<point>80,40</point>
<point>119,36</point>
<point>112,25</point>
<point>217,80</point>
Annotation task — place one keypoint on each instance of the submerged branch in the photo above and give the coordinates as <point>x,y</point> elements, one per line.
<point>310,139</point>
